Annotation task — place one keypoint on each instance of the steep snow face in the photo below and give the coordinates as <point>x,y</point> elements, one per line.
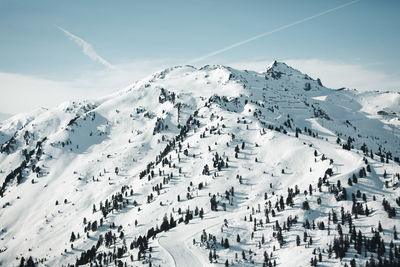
<point>380,103</point>
<point>168,143</point>
<point>284,76</point>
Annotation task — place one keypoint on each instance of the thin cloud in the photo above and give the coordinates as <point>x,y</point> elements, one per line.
<point>44,92</point>
<point>217,52</point>
<point>87,48</point>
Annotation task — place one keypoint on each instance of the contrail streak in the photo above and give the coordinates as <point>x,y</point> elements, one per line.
<point>271,32</point>
<point>88,49</point>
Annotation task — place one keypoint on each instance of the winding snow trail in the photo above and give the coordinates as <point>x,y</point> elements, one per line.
<point>177,241</point>
<point>179,252</point>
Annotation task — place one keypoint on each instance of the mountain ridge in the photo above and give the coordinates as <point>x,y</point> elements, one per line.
<point>154,139</point>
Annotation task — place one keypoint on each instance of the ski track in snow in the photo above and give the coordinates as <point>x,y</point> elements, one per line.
<point>177,240</point>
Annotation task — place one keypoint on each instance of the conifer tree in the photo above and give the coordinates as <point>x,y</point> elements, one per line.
<point>72,239</point>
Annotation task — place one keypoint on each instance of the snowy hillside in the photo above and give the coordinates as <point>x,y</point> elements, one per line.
<point>205,167</point>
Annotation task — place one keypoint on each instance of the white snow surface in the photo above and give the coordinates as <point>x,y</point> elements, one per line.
<point>78,145</point>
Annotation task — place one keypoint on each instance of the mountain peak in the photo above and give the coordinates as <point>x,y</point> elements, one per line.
<point>281,67</point>
<point>273,64</point>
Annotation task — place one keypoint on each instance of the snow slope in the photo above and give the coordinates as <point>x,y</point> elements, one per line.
<point>144,146</point>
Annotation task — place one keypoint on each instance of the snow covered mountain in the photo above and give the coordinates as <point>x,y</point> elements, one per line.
<point>205,167</point>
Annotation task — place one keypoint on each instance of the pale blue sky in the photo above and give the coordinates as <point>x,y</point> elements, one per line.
<point>139,37</point>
